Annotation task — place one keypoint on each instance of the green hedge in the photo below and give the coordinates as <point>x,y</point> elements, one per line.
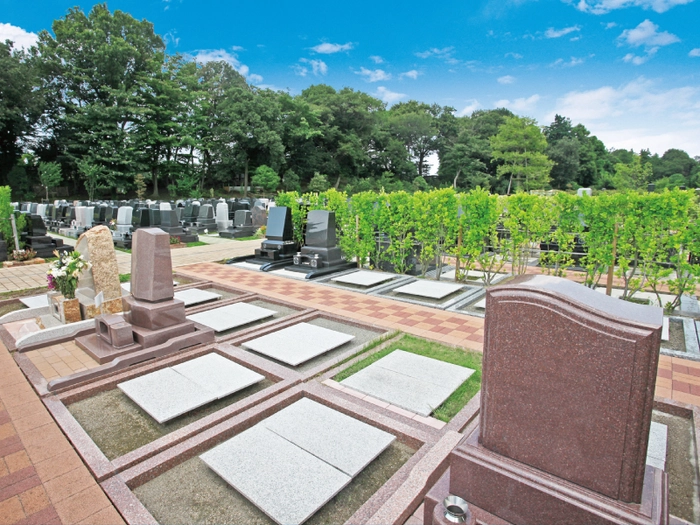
<point>654,232</point>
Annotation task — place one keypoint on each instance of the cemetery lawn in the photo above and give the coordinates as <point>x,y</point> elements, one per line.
<point>196,243</point>
<point>416,345</point>
<point>251,238</point>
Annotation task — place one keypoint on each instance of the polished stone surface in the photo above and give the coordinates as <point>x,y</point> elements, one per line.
<point>166,394</point>
<point>342,441</point>
<point>151,265</point>
<point>656,450</point>
<point>231,316</point>
<point>364,278</point>
<point>429,289</point>
<point>292,463</point>
<point>298,343</point>
<point>417,383</point>
<point>218,375</point>
<point>196,296</point>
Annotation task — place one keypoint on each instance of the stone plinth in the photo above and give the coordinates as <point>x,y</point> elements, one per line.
<point>153,316</point>
<point>151,265</point>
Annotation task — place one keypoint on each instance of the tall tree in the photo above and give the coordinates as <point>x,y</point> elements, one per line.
<point>521,146</point>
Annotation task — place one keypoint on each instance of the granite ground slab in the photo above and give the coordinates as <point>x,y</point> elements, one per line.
<point>295,461</point>
<point>166,394</point>
<point>196,296</point>
<point>417,383</point>
<point>247,266</point>
<point>171,392</point>
<point>656,449</point>
<point>430,289</point>
<point>344,442</point>
<point>292,275</point>
<point>364,278</point>
<point>231,316</point>
<point>218,375</point>
<point>35,301</point>
<point>298,343</point>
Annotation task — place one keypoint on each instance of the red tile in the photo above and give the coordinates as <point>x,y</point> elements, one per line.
<point>680,386</point>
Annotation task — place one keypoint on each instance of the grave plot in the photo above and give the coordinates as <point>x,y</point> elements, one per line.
<point>436,294</point>
<point>171,392</point>
<point>195,296</point>
<point>365,281</point>
<point>292,463</point>
<point>473,277</point>
<point>474,305</point>
<point>314,344</point>
<point>35,301</point>
<point>414,382</point>
<point>163,401</point>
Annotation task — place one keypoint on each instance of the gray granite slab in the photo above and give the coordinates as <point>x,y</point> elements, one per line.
<point>414,384</point>
<point>284,481</point>
<point>656,450</point>
<point>364,278</point>
<point>292,275</point>
<point>690,332</point>
<point>298,343</point>
<point>35,301</point>
<point>196,296</point>
<point>344,442</point>
<point>426,369</point>
<point>690,304</point>
<point>231,316</point>
<point>217,374</point>
<point>665,329</point>
<point>166,394</point>
<point>430,289</point>
<point>247,266</point>
<point>480,304</point>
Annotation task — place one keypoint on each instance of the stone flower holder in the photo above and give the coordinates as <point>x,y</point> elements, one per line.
<point>66,310</point>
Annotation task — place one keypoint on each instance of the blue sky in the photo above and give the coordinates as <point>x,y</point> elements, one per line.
<point>629,70</point>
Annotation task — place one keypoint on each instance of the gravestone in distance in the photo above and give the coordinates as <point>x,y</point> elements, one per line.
<point>567,393</point>
<point>36,238</point>
<point>242,226</point>
<point>279,244</point>
<point>123,229</point>
<point>319,251</point>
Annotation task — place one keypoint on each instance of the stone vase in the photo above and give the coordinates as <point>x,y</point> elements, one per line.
<point>66,310</point>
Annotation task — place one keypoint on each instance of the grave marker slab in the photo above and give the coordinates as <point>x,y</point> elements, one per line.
<point>231,316</point>
<point>299,343</point>
<point>364,278</point>
<point>196,296</point>
<point>165,394</point>
<point>656,450</point>
<point>34,301</point>
<point>429,289</point>
<point>218,375</point>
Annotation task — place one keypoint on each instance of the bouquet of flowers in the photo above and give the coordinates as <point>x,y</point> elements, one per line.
<point>63,273</point>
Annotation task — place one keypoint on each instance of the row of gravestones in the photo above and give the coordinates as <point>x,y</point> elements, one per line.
<point>182,219</point>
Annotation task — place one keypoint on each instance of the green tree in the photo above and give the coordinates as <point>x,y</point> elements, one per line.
<point>463,159</point>
<point>266,178</point>
<point>93,175</point>
<point>291,181</point>
<point>634,175</point>
<point>521,146</point>
<point>50,175</point>
<point>319,183</point>
<point>140,184</point>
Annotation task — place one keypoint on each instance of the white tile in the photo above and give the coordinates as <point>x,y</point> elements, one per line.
<point>196,296</point>
<point>665,329</point>
<point>289,274</point>
<point>656,450</point>
<point>426,369</point>
<point>165,394</point>
<point>364,278</point>
<point>298,343</point>
<point>35,301</point>
<point>217,374</point>
<point>247,266</point>
<point>480,304</point>
<point>429,289</point>
<point>284,481</point>
<point>231,316</point>
<point>342,441</point>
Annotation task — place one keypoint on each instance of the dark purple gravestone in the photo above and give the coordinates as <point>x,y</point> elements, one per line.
<point>566,401</point>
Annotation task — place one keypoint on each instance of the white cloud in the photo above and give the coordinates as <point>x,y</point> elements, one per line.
<point>444,54</point>
<point>410,74</point>
<point>388,96</point>
<point>327,48</point>
<point>694,52</point>
<point>519,104</point>
<point>238,48</point>
<point>600,7</point>
<point>639,114</point>
<point>610,25</point>
<point>571,63</point>
<point>21,38</point>
<point>217,55</point>
<point>516,56</point>
<point>506,79</point>
<point>170,37</point>
<point>638,60</point>
<point>376,75</point>
<point>470,108</point>
<point>377,59</point>
<point>556,33</point>
<point>319,67</point>
<point>300,70</point>
<point>646,34</point>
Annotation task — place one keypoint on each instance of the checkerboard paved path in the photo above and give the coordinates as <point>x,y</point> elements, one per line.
<point>447,327</point>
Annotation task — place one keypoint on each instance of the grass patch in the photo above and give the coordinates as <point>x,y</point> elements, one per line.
<point>196,243</point>
<point>125,250</point>
<point>21,293</point>
<point>124,277</point>
<point>415,345</point>
<point>251,238</point>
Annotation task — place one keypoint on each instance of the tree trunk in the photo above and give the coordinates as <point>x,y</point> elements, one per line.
<point>454,182</point>
<point>154,174</point>
<point>337,183</point>
<point>245,180</point>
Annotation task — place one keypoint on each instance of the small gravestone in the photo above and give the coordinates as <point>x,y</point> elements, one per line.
<point>566,400</point>
<point>319,251</point>
<point>259,214</point>
<point>151,266</point>
<point>298,343</point>
<point>97,248</point>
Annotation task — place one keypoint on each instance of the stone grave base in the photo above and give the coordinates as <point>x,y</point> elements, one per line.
<point>237,233</point>
<point>518,493</point>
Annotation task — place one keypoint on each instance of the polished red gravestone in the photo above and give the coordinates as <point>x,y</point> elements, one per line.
<point>566,401</point>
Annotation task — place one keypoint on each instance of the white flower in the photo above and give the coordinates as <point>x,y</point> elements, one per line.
<point>206,232</point>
